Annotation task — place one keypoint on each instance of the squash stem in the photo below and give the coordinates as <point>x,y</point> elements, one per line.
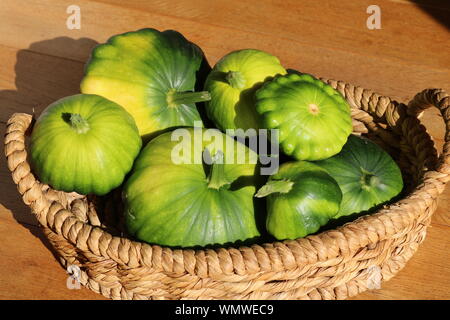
<point>235,79</point>
<point>369,180</point>
<point>274,186</point>
<point>175,98</point>
<point>216,177</point>
<point>78,123</point>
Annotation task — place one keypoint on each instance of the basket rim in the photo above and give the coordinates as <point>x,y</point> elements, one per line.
<point>342,242</point>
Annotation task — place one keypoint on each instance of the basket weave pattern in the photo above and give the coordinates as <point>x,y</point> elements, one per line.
<point>333,264</point>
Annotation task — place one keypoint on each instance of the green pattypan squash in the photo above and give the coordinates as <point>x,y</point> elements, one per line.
<point>301,198</point>
<point>171,199</point>
<point>313,119</point>
<point>151,74</point>
<point>84,143</point>
<point>366,174</point>
<point>232,84</point>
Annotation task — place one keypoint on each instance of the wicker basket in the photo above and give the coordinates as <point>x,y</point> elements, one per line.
<point>333,264</point>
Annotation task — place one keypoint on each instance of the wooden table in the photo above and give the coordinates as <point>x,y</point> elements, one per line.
<point>42,60</point>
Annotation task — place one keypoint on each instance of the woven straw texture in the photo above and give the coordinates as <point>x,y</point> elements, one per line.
<point>333,264</point>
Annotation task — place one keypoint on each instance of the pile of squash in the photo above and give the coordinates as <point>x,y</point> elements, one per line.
<point>139,87</point>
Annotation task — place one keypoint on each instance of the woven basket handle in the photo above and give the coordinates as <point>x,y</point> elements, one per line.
<point>440,99</point>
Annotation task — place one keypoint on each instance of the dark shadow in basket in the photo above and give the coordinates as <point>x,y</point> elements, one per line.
<point>40,78</point>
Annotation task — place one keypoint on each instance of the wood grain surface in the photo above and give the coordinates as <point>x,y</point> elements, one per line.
<point>41,60</point>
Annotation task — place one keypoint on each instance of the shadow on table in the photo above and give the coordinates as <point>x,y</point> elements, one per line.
<point>40,79</point>
<point>437,9</point>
